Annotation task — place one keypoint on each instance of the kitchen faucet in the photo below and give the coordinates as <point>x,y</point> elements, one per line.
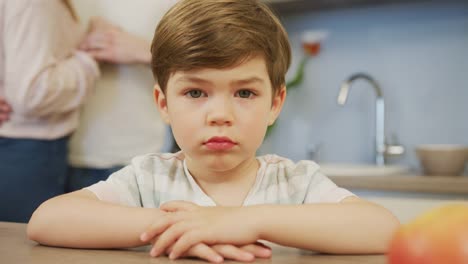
<point>382,149</point>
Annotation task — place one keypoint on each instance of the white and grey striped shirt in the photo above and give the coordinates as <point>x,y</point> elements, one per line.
<point>154,179</point>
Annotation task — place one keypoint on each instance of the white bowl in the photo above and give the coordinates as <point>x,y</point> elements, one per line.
<point>442,160</point>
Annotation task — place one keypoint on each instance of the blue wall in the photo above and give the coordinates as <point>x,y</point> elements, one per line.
<point>419,55</point>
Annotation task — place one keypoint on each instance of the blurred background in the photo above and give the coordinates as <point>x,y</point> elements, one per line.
<point>416,50</point>
<point>398,67</point>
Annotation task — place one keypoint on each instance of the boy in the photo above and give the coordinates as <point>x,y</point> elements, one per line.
<point>220,66</point>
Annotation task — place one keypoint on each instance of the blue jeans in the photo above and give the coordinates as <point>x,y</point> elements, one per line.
<point>31,171</point>
<point>79,178</point>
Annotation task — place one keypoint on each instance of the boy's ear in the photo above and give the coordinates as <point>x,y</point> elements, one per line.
<point>277,105</point>
<point>161,103</point>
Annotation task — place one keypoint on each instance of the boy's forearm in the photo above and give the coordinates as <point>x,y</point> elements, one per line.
<point>345,228</point>
<point>84,223</point>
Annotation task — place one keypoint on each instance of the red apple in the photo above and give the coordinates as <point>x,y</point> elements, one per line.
<point>439,236</point>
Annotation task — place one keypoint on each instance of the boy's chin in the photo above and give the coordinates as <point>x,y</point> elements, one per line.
<point>222,161</point>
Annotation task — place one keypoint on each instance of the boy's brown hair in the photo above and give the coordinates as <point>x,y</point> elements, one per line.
<point>219,34</point>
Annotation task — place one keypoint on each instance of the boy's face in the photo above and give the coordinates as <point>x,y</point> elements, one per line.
<point>219,117</point>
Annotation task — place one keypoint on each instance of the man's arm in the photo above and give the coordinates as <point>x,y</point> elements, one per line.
<point>81,220</point>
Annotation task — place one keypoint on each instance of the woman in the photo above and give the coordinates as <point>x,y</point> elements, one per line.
<point>120,121</point>
<point>44,79</point>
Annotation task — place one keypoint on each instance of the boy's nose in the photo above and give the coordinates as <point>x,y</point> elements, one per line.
<point>220,113</point>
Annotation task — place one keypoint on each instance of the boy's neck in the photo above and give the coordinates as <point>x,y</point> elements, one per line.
<point>227,188</point>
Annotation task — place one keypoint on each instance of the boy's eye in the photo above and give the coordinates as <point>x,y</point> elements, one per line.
<point>245,93</point>
<point>194,93</point>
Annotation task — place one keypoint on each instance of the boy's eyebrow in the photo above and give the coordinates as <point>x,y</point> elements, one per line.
<point>235,82</point>
<point>247,81</point>
<point>192,79</point>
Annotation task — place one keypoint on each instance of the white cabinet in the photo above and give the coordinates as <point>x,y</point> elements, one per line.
<point>406,209</point>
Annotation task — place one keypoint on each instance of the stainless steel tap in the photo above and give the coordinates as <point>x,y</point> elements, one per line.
<point>382,149</point>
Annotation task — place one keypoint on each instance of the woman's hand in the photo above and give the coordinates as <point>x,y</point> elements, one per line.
<point>5,110</point>
<point>109,43</point>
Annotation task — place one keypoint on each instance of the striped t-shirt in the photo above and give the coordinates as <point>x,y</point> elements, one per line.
<point>154,179</point>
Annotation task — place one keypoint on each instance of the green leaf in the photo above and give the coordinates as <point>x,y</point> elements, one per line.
<point>299,77</point>
<point>296,81</point>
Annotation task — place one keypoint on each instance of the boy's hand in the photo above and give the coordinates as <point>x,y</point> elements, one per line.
<point>218,253</point>
<point>5,111</point>
<point>189,225</point>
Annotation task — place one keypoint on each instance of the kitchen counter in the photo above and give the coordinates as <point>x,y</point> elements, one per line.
<point>407,196</point>
<point>16,248</point>
<point>453,185</point>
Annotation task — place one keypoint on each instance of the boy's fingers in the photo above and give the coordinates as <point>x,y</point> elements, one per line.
<point>201,251</point>
<point>169,249</point>
<point>204,252</point>
<point>185,242</point>
<point>157,228</point>
<point>174,206</point>
<point>167,239</point>
<point>234,253</point>
<point>259,251</point>
<point>261,244</point>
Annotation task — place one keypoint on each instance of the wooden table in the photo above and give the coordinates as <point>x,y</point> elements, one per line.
<point>16,248</point>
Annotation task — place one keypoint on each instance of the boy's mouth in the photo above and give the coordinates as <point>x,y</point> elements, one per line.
<point>219,143</point>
